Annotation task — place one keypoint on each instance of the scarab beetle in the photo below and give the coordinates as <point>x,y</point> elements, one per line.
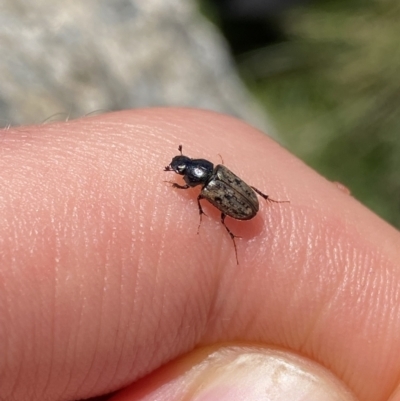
<point>222,188</point>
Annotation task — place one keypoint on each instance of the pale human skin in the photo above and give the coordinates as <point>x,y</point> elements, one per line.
<point>103,278</point>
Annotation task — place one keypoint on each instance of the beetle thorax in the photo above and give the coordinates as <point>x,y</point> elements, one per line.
<point>198,172</point>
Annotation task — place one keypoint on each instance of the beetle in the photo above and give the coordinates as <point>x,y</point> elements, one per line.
<point>219,186</point>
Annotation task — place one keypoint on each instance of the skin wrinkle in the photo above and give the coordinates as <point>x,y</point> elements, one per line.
<point>7,343</point>
<point>206,310</point>
<point>395,300</point>
<point>101,230</point>
<point>45,307</point>
<point>69,378</point>
<point>367,293</point>
<point>14,308</point>
<point>202,309</point>
<point>379,325</point>
<point>387,316</point>
<point>98,365</point>
<point>302,277</point>
<point>307,347</point>
<point>252,321</point>
<point>210,296</point>
<point>369,289</point>
<point>130,328</point>
<point>213,301</point>
<point>14,386</point>
<point>119,325</point>
<point>92,365</point>
<point>339,289</point>
<point>69,340</point>
<point>185,321</point>
<point>145,311</point>
<point>31,347</point>
<point>109,270</point>
<point>290,338</point>
<point>188,306</point>
<point>83,369</point>
<point>158,326</point>
<point>4,333</point>
<point>161,305</point>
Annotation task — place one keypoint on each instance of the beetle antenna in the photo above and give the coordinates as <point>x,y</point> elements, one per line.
<point>222,160</point>
<point>180,149</point>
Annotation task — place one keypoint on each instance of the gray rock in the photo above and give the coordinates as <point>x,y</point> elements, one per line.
<point>76,57</point>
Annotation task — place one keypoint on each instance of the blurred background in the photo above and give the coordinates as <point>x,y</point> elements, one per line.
<point>321,76</point>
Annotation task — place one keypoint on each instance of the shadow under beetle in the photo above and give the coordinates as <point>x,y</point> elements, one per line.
<point>222,188</point>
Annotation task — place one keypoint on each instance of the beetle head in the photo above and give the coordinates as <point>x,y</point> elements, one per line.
<point>179,164</point>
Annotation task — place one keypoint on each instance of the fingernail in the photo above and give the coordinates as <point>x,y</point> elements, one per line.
<point>240,373</point>
<point>248,374</point>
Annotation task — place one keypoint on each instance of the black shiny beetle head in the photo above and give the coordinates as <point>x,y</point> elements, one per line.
<point>194,171</point>
<point>179,163</point>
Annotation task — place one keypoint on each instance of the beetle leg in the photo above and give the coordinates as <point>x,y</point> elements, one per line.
<point>201,212</point>
<point>233,236</point>
<point>267,198</point>
<point>175,185</point>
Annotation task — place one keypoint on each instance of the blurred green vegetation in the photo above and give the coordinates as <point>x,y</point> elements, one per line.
<point>331,86</point>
